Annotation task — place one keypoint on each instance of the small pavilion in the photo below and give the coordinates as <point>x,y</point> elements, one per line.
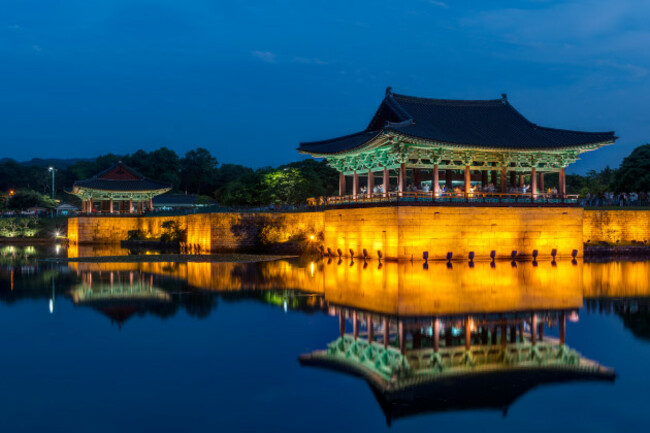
<point>118,189</point>
<point>481,145</point>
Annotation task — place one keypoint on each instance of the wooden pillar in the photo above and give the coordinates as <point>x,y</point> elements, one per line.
<point>468,334</point>
<point>371,330</point>
<point>371,182</point>
<point>467,180</point>
<point>449,177</point>
<point>355,325</point>
<point>130,205</point>
<point>533,329</point>
<point>513,178</point>
<point>435,181</point>
<point>494,178</point>
<point>386,181</point>
<point>402,338</point>
<point>402,178</point>
<point>151,204</point>
<point>484,178</point>
<point>90,205</point>
<point>503,179</point>
<point>504,336</point>
<point>341,184</point>
<point>436,334</point>
<point>562,189</point>
<point>541,183</point>
<point>355,185</point>
<point>386,329</point>
<point>533,182</point>
<point>522,180</point>
<point>562,323</point>
<point>341,324</point>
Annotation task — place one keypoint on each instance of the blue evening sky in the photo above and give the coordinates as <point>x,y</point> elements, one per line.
<point>250,80</point>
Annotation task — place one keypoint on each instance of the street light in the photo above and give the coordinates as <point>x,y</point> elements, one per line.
<point>52,169</point>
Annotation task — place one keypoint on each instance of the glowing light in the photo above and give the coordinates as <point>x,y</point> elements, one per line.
<point>312,267</point>
<point>312,237</point>
<point>51,306</point>
<point>57,249</point>
<point>284,305</point>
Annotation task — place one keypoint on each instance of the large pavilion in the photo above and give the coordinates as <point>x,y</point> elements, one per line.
<point>118,189</point>
<point>480,145</point>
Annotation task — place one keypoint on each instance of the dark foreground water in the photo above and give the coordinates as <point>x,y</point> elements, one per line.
<point>200,346</point>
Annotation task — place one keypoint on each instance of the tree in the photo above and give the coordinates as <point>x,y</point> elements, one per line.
<point>198,171</point>
<point>634,172</point>
<point>27,198</point>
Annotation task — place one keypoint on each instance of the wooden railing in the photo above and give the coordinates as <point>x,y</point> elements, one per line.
<point>446,198</point>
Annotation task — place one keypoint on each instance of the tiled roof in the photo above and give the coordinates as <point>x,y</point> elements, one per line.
<point>489,124</point>
<point>140,183</point>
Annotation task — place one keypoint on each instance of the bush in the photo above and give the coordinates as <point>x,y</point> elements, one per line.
<point>13,227</point>
<point>172,232</point>
<point>134,235</point>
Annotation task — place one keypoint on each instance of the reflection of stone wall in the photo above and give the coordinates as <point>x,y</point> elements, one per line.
<point>616,225</point>
<point>459,230</point>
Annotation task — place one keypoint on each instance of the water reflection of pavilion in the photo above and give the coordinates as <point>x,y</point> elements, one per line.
<point>118,295</point>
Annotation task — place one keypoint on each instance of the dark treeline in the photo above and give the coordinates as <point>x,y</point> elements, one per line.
<point>197,172</point>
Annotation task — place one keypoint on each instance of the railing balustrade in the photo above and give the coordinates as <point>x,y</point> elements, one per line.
<point>446,198</point>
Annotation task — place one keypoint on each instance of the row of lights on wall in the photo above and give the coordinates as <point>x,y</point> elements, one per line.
<point>425,256</point>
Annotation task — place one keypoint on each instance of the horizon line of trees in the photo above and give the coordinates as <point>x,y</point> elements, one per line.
<point>199,172</point>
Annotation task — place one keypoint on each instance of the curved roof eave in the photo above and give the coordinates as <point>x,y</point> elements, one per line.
<point>465,146</point>
<point>76,189</point>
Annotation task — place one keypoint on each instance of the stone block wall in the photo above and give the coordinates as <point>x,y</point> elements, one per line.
<point>212,232</point>
<point>613,226</point>
<point>403,232</point>
<point>406,232</point>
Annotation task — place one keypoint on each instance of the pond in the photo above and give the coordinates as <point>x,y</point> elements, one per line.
<point>299,345</point>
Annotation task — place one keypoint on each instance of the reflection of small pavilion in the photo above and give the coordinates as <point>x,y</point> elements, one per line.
<point>436,364</point>
<point>118,295</point>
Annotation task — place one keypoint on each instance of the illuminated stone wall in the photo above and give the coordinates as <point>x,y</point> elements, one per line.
<point>616,225</point>
<point>211,232</point>
<point>100,230</point>
<point>406,232</point>
<point>398,232</point>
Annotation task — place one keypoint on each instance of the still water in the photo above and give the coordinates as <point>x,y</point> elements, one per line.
<point>244,347</point>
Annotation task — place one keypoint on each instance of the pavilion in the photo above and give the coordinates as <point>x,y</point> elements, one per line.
<point>488,141</point>
<point>118,185</point>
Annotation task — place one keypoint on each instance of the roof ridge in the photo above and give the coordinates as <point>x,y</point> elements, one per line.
<point>119,163</point>
<point>397,96</point>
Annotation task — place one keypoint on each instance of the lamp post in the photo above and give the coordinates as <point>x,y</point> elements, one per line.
<point>52,169</point>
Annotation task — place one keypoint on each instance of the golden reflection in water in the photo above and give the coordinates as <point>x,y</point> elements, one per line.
<point>407,289</point>
<point>617,280</point>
